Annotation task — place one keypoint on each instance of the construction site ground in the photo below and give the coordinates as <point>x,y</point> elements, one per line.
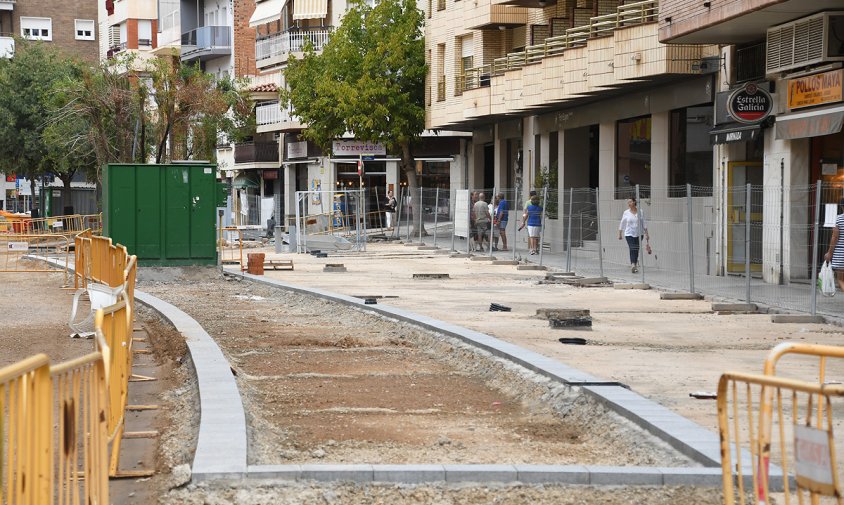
<point>326,383</point>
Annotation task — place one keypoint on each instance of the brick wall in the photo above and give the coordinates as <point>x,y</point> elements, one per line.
<point>686,16</point>
<point>244,39</point>
<point>63,13</point>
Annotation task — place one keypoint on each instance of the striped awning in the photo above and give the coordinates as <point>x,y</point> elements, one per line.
<point>310,9</point>
<point>266,12</point>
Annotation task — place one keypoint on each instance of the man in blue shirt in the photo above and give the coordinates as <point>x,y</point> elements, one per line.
<point>502,215</point>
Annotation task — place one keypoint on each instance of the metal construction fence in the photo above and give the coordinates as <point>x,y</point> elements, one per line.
<point>57,422</point>
<point>751,243</point>
<point>777,429</point>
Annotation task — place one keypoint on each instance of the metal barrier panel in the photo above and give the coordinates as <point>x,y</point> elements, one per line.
<point>26,427</point>
<point>15,249</point>
<point>114,339</point>
<point>81,440</point>
<point>230,246</point>
<point>797,461</point>
<point>334,220</point>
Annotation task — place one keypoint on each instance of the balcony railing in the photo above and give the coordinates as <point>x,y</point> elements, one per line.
<point>272,113</point>
<point>600,26</point>
<point>279,44</point>
<point>115,50</point>
<point>142,42</point>
<point>256,152</point>
<point>206,42</point>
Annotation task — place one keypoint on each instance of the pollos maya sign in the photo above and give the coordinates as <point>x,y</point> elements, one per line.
<point>750,104</point>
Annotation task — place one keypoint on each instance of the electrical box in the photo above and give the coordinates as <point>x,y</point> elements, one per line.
<point>164,214</point>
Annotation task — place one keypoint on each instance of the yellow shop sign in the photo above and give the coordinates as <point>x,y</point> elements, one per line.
<point>815,89</point>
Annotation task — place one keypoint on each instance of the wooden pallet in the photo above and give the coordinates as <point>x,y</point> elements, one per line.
<point>278,264</point>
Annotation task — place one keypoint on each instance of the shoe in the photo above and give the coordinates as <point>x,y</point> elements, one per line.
<point>532,253</point>
<point>634,269</point>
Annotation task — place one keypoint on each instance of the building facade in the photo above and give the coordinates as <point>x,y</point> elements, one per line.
<point>793,50</point>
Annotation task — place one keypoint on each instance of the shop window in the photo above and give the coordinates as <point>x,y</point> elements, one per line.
<point>690,160</point>
<point>633,157</point>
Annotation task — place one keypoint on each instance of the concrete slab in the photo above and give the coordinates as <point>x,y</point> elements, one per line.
<point>620,476</point>
<point>632,286</point>
<point>480,473</point>
<point>680,296</point>
<point>797,319</point>
<point>483,258</point>
<point>408,473</point>
<point>279,472</point>
<point>735,307</point>
<point>332,473</point>
<point>552,474</point>
<point>427,248</point>
<point>505,262</point>
<point>531,267</point>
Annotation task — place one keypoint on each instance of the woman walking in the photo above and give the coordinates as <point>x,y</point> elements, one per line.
<point>835,254</point>
<point>533,219</point>
<point>631,226</point>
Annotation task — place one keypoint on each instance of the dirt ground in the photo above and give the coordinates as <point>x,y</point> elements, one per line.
<point>324,382</point>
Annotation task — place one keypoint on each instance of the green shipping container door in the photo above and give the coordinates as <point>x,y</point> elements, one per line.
<point>165,214</point>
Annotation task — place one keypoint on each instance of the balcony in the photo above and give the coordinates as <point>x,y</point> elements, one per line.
<point>115,50</point>
<point>7,45</point>
<point>7,5</point>
<point>270,117</point>
<point>256,152</point>
<point>206,42</point>
<point>608,52</point>
<point>275,49</point>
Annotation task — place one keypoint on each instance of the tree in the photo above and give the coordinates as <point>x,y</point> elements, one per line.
<point>369,79</point>
<point>26,85</point>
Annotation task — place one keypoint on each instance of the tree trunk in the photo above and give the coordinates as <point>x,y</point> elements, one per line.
<point>413,189</point>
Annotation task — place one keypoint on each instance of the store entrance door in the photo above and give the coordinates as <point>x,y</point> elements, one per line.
<point>741,173</point>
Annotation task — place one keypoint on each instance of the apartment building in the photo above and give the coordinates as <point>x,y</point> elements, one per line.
<point>793,52</point>
<point>67,24</point>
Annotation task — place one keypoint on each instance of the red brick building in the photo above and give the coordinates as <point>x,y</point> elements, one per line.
<point>69,24</point>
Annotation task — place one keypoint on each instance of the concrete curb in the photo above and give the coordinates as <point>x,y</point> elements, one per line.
<point>221,448</point>
<point>685,436</point>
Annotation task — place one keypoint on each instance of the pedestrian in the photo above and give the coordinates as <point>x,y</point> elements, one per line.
<point>502,216</point>
<point>835,254</point>
<point>633,228</point>
<point>390,209</point>
<point>532,218</point>
<point>482,220</point>
<point>530,196</point>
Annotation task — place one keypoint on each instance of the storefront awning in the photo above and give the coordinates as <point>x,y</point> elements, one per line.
<point>310,9</point>
<point>727,134</point>
<point>812,123</point>
<point>266,12</point>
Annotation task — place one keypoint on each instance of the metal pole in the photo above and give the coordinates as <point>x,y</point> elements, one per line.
<point>640,233</point>
<point>514,240</point>
<point>436,213</point>
<point>410,214</point>
<point>747,240</point>
<point>600,242</point>
<point>691,240</point>
<point>452,213</point>
<point>397,225</point>
<point>420,215</point>
<point>568,232</point>
<point>542,223</point>
<point>469,233</point>
<point>491,222</point>
<point>815,249</point>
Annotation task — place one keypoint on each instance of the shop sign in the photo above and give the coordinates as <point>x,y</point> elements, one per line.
<point>815,89</point>
<point>297,150</point>
<point>750,104</point>
<point>357,147</point>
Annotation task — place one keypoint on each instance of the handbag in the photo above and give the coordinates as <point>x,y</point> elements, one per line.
<point>826,280</point>
<point>648,248</point>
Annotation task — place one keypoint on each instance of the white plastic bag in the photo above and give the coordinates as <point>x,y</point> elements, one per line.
<point>826,280</point>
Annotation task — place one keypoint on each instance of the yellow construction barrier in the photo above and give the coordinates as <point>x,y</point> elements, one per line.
<point>26,426</point>
<point>16,249</point>
<point>56,423</point>
<point>230,245</point>
<point>777,433</point>
<point>81,449</point>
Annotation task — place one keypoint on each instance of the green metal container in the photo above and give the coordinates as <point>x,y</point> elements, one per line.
<point>164,214</point>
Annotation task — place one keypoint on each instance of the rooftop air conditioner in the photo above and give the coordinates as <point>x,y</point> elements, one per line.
<point>808,41</point>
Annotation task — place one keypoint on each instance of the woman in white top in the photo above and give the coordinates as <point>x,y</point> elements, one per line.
<point>630,228</point>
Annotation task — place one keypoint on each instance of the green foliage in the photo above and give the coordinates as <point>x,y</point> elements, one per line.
<point>26,87</point>
<point>369,79</point>
<point>547,178</point>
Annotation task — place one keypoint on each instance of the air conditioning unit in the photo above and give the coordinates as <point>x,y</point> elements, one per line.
<point>808,41</point>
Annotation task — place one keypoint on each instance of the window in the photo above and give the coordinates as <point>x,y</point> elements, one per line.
<point>633,157</point>
<point>84,29</point>
<point>37,28</point>
<point>144,33</point>
<point>691,152</point>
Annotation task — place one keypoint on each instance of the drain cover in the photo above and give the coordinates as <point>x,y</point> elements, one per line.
<point>573,341</point>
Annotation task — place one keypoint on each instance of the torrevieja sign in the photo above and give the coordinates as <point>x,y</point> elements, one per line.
<point>750,104</point>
